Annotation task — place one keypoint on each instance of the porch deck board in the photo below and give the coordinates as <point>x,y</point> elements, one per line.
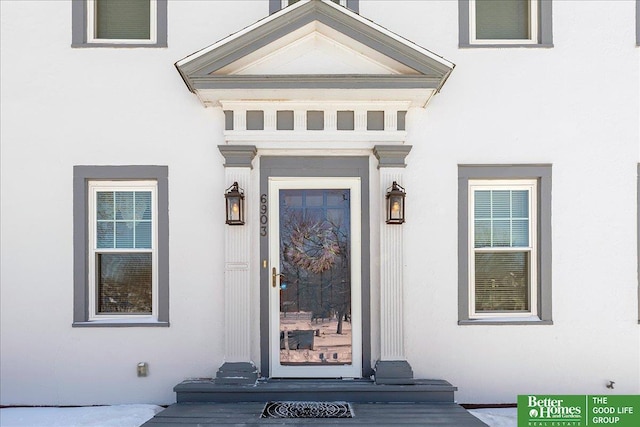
<point>371,414</point>
<point>361,390</point>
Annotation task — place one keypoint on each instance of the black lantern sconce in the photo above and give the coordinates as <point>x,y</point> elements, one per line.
<point>234,197</point>
<point>395,204</point>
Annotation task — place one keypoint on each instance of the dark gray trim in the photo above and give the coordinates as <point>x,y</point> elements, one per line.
<point>284,120</point>
<point>255,120</point>
<point>228,120</point>
<point>354,5</point>
<point>315,120</point>
<point>375,120</point>
<point>345,120</point>
<point>79,27</point>
<point>319,390</point>
<point>545,28</point>
<point>237,373</point>
<point>238,156</point>
<point>276,5</point>
<point>320,166</point>
<point>197,72</point>
<point>81,177</point>
<point>540,172</point>
<point>401,120</point>
<point>394,372</point>
<point>637,22</point>
<point>312,81</point>
<point>391,156</point>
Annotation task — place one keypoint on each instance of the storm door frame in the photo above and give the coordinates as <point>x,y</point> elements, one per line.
<point>317,166</point>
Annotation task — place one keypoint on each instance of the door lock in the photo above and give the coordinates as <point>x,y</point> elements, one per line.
<point>274,277</point>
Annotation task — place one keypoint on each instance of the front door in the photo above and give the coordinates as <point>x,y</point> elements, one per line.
<point>315,328</point>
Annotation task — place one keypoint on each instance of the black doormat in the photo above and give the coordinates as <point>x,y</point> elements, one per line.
<point>307,410</point>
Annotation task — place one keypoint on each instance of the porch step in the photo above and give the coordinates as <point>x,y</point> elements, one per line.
<point>359,390</point>
<point>364,414</point>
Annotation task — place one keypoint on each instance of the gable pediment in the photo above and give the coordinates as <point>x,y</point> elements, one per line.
<point>314,48</point>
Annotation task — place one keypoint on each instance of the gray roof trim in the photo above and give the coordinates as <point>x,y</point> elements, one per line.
<point>202,64</point>
<point>304,81</point>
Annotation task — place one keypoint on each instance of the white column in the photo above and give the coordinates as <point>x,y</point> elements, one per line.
<point>391,278</point>
<point>237,241</point>
<point>238,367</point>
<point>393,367</point>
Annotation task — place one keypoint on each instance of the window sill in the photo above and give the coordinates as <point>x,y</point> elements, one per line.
<point>118,45</point>
<point>534,320</point>
<point>124,323</point>
<point>500,46</point>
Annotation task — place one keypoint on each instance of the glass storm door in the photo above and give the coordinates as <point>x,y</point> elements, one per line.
<point>314,253</point>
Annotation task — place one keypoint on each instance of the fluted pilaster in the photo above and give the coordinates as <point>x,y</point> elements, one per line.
<point>238,367</point>
<point>392,368</point>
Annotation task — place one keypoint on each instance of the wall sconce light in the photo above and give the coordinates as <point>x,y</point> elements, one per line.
<point>234,197</point>
<point>395,204</point>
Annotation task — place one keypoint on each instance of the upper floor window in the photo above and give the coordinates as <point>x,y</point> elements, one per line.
<point>124,23</point>
<point>286,3</point>
<point>499,21</point>
<point>505,23</point>
<point>276,5</point>
<point>121,21</point>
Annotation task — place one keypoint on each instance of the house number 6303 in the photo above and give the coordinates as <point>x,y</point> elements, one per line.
<point>264,218</point>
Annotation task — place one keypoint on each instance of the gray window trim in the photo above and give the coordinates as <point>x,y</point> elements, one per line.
<point>637,22</point>
<point>81,177</point>
<point>79,27</point>
<point>274,5</point>
<point>540,172</point>
<point>545,27</point>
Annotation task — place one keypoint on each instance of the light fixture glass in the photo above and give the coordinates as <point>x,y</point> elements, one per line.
<point>234,197</point>
<point>395,204</point>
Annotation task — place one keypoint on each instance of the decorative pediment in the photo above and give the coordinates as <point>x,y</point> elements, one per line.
<point>314,50</point>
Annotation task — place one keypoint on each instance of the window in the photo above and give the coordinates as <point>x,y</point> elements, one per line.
<point>504,262</point>
<point>286,3</point>
<point>502,240</point>
<point>120,245</point>
<point>124,23</point>
<point>276,5</point>
<point>505,23</point>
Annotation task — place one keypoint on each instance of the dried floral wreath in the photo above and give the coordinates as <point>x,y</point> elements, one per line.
<point>314,246</point>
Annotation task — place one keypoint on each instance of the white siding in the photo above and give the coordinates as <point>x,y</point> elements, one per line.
<point>575,106</point>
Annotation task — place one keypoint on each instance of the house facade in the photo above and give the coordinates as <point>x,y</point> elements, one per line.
<point>387,190</point>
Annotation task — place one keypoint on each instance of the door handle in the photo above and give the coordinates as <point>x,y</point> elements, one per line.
<point>274,277</point>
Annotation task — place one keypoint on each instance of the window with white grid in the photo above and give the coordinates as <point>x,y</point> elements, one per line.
<point>123,249</point>
<point>502,252</point>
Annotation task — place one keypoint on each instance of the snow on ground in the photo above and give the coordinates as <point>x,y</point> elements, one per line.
<point>497,417</point>
<point>93,416</point>
<point>136,415</point>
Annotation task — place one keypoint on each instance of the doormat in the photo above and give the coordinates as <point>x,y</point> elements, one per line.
<point>307,410</point>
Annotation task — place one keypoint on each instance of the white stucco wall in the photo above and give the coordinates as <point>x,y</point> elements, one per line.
<point>575,106</point>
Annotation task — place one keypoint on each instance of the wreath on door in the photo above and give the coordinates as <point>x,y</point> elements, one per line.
<point>314,246</point>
